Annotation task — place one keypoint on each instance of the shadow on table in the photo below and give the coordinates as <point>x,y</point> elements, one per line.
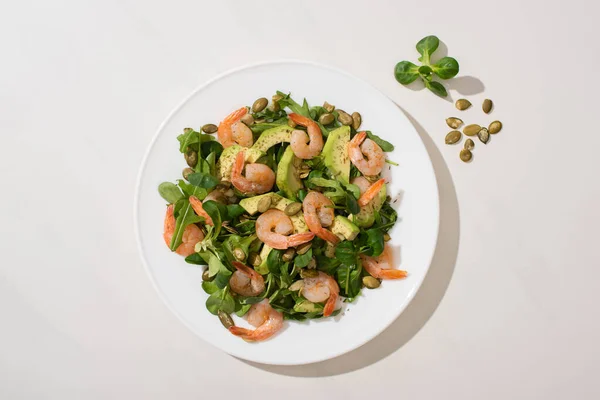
<point>427,299</point>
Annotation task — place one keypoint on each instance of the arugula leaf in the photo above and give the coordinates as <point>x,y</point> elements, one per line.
<point>287,101</point>
<point>170,192</point>
<point>260,128</point>
<point>186,216</point>
<point>220,301</point>
<point>384,144</point>
<point>203,180</point>
<point>193,139</point>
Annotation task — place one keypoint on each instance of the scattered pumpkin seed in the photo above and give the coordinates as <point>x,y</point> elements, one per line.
<point>454,122</point>
<point>453,137</point>
<point>372,178</point>
<point>247,119</point>
<point>462,104</point>
<point>308,273</point>
<point>495,127</point>
<point>293,209</point>
<point>466,155</point>
<point>326,119</point>
<point>275,103</point>
<point>356,120</point>
<point>259,104</point>
<point>186,172</point>
<point>297,286</point>
<point>209,128</point>
<point>254,259</point>
<point>225,319</point>
<point>303,248</point>
<point>370,282</point>
<point>239,254</point>
<point>328,107</point>
<point>191,158</point>
<point>206,276</point>
<point>264,204</point>
<point>469,144</point>
<point>288,255</point>
<point>483,135</point>
<point>344,118</point>
<point>487,106</point>
<point>471,130</point>
<point>304,175</point>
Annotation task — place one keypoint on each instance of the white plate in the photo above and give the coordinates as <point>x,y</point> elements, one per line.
<point>413,182</point>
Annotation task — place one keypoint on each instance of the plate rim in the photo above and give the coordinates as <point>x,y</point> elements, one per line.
<point>178,107</point>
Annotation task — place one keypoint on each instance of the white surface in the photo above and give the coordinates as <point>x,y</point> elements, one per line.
<point>510,306</point>
<point>412,185</point>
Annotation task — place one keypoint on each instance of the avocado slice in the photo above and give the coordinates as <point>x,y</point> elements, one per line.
<point>366,217</point>
<point>306,306</point>
<point>250,204</point>
<point>342,225</point>
<point>287,174</point>
<point>335,154</point>
<point>271,137</point>
<point>263,269</point>
<point>225,163</point>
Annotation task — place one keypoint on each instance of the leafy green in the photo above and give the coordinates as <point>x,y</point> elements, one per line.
<point>234,211</point>
<point>274,261</point>
<point>426,47</point>
<point>351,203</point>
<point>287,101</point>
<point>220,300</point>
<point>384,144</point>
<point>260,128</point>
<point>406,72</point>
<point>210,146</point>
<point>346,253</point>
<point>209,287</point>
<point>185,217</point>
<point>375,241</point>
<point>301,195</point>
<point>241,309</point>
<point>193,139</point>
<point>217,212</point>
<point>235,242</point>
<point>349,279</point>
<point>203,180</point>
<point>302,260</point>
<point>446,68</point>
<point>270,116</point>
<point>436,88</point>
<point>170,192</point>
<point>196,259</point>
<point>190,190</point>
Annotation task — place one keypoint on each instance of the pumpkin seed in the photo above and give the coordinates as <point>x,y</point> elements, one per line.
<point>326,119</point>
<point>264,204</point>
<point>191,158</point>
<point>471,130</point>
<point>259,104</point>
<point>229,193</point>
<point>303,248</point>
<point>312,264</point>
<point>293,209</point>
<point>469,144</point>
<point>239,254</point>
<point>225,319</point>
<point>328,107</point>
<point>372,178</point>
<point>230,229</point>
<point>206,276</point>
<point>463,104</point>
<point>453,137</point>
<point>387,237</point>
<point>454,122</point>
<point>330,250</point>
<point>233,200</point>
<point>356,120</point>
<point>344,118</point>
<point>370,282</point>
<point>466,155</point>
<point>275,103</point>
<point>483,135</point>
<point>288,255</point>
<point>254,259</point>
<point>308,273</point>
<point>304,175</point>
<point>297,286</point>
<point>495,127</point>
<point>247,119</point>
<point>186,172</point>
<point>209,128</point>
<point>487,106</point>
<point>291,123</point>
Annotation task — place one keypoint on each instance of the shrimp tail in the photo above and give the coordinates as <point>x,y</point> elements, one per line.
<point>370,193</point>
<point>224,130</point>
<point>244,333</point>
<point>300,238</point>
<point>245,269</point>
<point>238,166</point>
<point>330,305</point>
<point>359,138</point>
<point>392,274</point>
<point>199,210</point>
<point>328,235</point>
<point>300,119</point>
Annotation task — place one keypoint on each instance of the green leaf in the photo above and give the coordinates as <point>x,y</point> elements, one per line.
<point>196,259</point>
<point>260,128</point>
<point>436,88</point>
<point>352,204</point>
<point>425,70</point>
<point>354,189</point>
<point>187,138</point>
<point>222,278</point>
<point>385,145</point>
<point>288,102</point>
<point>220,300</point>
<point>212,163</point>
<point>274,261</point>
<point>346,253</point>
<point>446,68</point>
<point>426,47</point>
<point>242,309</point>
<point>406,72</point>
<point>349,279</point>
<point>170,192</point>
<point>235,210</point>
<point>214,265</point>
<point>203,180</point>
<point>327,265</point>
<point>235,241</point>
<point>217,212</point>
<point>301,195</point>
<point>209,287</point>
<point>210,146</point>
<point>190,190</point>
<point>303,260</point>
<point>375,241</point>
<point>185,217</point>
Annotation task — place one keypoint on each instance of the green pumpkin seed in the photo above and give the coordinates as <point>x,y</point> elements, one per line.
<point>297,286</point>
<point>264,204</point>
<point>326,119</point>
<point>495,127</point>
<point>259,104</point>
<point>483,135</point>
<point>225,319</point>
<point>247,119</point>
<point>308,273</point>
<point>344,118</point>
<point>370,282</point>
<point>291,123</point>
<point>303,248</point>
<point>191,158</point>
<point>186,172</point>
<point>206,276</point>
<point>469,144</point>
<point>454,122</point>
<point>330,250</point>
<point>471,130</point>
<point>288,255</point>
<point>356,120</point>
<point>293,209</point>
<point>463,104</point>
<point>466,155</point>
<point>209,128</point>
<point>254,259</point>
<point>453,137</point>
<point>312,264</point>
<point>328,107</point>
<point>387,237</point>
<point>487,106</point>
<point>238,253</point>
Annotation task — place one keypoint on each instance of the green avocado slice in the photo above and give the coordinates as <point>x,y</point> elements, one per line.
<point>271,137</point>
<point>335,154</point>
<point>287,174</point>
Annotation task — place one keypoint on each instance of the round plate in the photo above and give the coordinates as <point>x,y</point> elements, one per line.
<point>412,185</point>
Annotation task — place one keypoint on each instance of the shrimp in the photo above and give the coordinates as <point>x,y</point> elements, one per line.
<point>259,178</point>
<point>246,281</point>
<point>264,318</point>
<point>272,228</point>
<point>380,267</point>
<point>359,147</point>
<point>321,288</point>
<point>300,140</point>
<point>191,235</point>
<point>368,191</point>
<point>197,207</point>
<point>232,131</point>
<point>317,214</point>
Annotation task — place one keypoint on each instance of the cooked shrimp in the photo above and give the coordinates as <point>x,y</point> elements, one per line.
<point>309,144</point>
<point>273,228</point>
<point>368,191</point>
<point>321,288</point>
<point>197,207</point>
<point>191,235</point>
<point>359,147</point>
<point>246,281</point>
<point>264,318</point>
<point>380,267</point>
<point>232,131</point>
<point>318,211</point>
<point>259,178</point>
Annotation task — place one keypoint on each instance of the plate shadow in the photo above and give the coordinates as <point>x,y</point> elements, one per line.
<point>425,302</point>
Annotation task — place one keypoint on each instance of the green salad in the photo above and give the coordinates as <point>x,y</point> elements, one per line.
<point>285,206</point>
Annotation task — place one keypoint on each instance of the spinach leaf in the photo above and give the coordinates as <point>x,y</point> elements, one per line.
<point>203,180</point>
<point>385,145</point>
<point>209,287</point>
<point>352,204</point>
<point>375,241</point>
<point>170,192</point>
<point>274,261</point>
<point>346,253</point>
<point>426,47</point>
<point>220,300</point>
<point>234,211</point>
<point>326,264</point>
<point>190,190</point>
<point>303,260</point>
<point>446,68</point>
<point>349,279</point>
<point>217,212</point>
<point>185,217</point>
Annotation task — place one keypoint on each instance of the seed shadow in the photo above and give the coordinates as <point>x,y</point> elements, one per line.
<point>427,299</point>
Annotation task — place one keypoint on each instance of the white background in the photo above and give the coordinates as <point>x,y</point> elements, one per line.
<point>510,306</point>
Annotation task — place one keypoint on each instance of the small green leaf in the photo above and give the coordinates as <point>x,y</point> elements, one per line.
<point>436,88</point>
<point>190,190</point>
<point>209,145</point>
<point>195,259</point>
<point>375,242</point>
<point>220,300</point>
<point>446,68</point>
<point>303,260</point>
<point>425,70</point>
<point>170,192</point>
<point>217,212</point>
<point>209,287</point>
<point>185,217</point>
<point>349,280</point>
<point>242,309</point>
<point>203,180</point>
<point>406,72</point>
<point>385,145</point>
<point>274,261</point>
<point>214,265</point>
<point>235,210</point>
<point>352,204</point>
<point>426,47</point>
<point>345,252</point>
